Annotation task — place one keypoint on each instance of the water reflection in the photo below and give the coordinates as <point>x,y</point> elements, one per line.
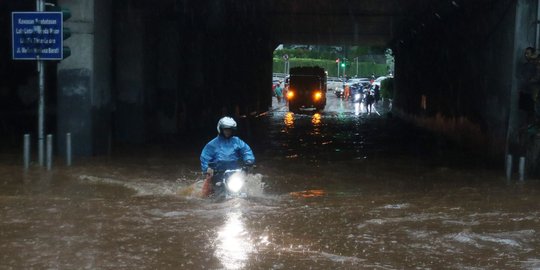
<point>357,108</point>
<point>374,110</point>
<point>360,107</point>
<point>289,120</point>
<point>316,119</point>
<point>309,193</point>
<point>233,243</point>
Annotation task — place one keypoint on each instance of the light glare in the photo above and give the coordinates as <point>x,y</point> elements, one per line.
<point>236,182</point>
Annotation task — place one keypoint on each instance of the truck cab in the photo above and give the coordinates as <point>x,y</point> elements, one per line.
<point>307,88</point>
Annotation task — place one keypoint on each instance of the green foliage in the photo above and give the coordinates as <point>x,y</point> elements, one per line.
<point>325,57</point>
<point>387,88</point>
<point>300,53</point>
<point>365,69</point>
<point>365,50</point>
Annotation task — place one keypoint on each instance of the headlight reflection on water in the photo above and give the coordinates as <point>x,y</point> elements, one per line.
<point>316,119</point>
<point>233,243</point>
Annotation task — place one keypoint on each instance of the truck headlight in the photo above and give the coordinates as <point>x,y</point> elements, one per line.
<point>290,94</point>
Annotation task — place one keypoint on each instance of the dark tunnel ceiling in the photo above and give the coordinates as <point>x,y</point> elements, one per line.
<point>368,22</point>
<point>330,22</point>
<point>341,21</point>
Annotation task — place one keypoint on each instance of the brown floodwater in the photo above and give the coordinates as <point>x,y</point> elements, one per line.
<point>341,189</point>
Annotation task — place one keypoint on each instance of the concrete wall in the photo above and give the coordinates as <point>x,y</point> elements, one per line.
<point>129,70</point>
<point>462,64</point>
<point>521,143</point>
<point>102,104</point>
<point>178,69</point>
<point>84,79</point>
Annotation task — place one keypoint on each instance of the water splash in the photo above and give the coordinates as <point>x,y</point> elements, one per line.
<point>254,186</point>
<point>142,187</point>
<point>192,191</point>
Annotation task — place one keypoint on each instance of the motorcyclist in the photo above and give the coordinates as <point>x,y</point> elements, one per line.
<point>226,151</point>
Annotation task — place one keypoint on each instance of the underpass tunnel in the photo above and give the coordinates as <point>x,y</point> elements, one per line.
<point>158,70</point>
<point>455,70</point>
<point>417,182</point>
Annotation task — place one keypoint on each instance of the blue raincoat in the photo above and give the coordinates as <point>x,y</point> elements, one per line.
<point>223,153</point>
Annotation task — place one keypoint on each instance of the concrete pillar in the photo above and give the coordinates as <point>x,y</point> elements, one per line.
<point>84,79</point>
<point>130,83</point>
<point>164,83</point>
<point>525,34</point>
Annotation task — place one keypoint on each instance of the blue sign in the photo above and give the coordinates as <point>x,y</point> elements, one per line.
<point>37,35</point>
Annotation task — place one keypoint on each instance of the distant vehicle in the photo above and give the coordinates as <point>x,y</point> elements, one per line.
<point>362,81</point>
<point>336,85</point>
<point>339,92</point>
<point>307,88</point>
<point>333,82</point>
<point>357,88</point>
<point>379,80</point>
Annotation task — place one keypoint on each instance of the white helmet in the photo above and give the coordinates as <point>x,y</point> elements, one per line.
<point>226,122</point>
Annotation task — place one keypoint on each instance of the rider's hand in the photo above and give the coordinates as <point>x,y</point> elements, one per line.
<point>210,171</point>
<point>248,168</point>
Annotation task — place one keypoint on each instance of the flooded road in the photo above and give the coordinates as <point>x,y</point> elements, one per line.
<point>341,189</point>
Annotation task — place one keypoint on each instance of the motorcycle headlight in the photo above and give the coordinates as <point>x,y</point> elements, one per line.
<point>235,183</point>
<point>357,96</point>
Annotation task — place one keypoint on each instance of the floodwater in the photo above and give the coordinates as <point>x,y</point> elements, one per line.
<point>341,189</point>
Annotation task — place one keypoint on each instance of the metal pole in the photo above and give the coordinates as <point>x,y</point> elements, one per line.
<point>356,66</point>
<point>41,110</point>
<point>522,169</point>
<point>537,25</point>
<point>68,149</point>
<point>338,69</point>
<point>26,151</point>
<point>49,152</point>
<point>40,6</point>
<point>508,168</point>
